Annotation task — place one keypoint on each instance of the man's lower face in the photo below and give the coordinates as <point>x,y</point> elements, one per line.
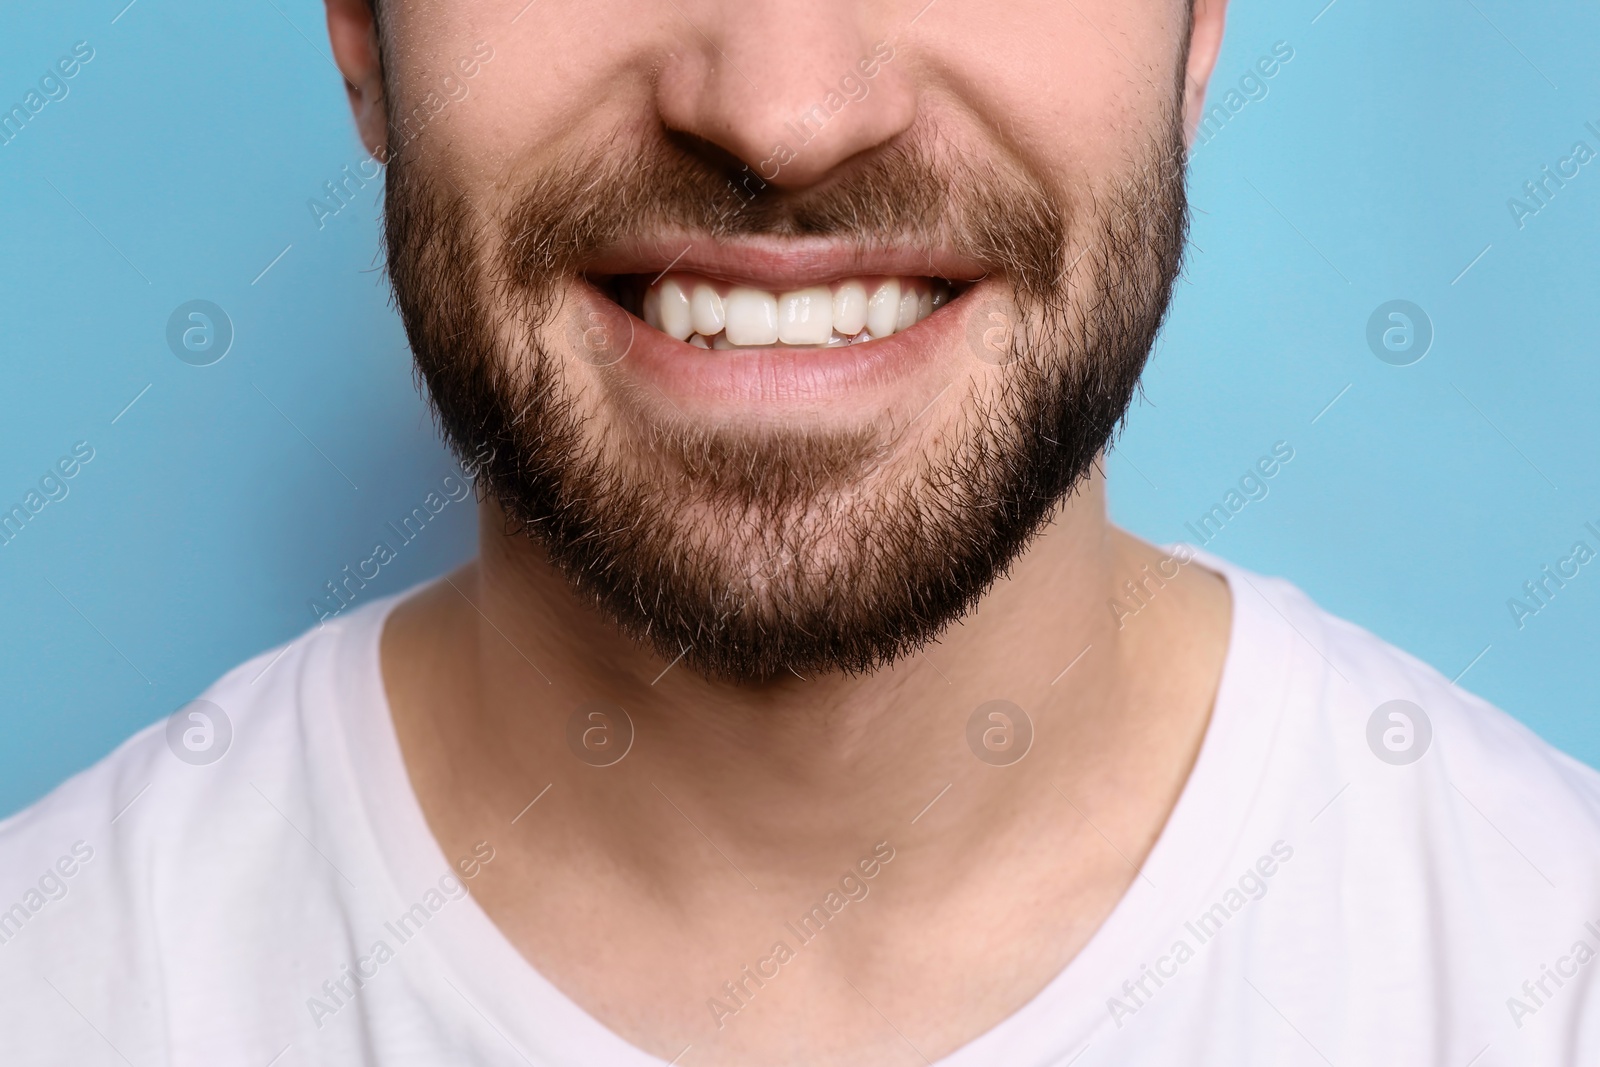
<point>786,433</point>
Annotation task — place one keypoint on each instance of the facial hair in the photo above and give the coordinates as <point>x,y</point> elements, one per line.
<point>753,555</point>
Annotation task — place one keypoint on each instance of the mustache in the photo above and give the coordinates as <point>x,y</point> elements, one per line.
<point>909,192</point>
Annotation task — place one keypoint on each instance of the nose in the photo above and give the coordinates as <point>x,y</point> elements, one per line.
<point>790,90</point>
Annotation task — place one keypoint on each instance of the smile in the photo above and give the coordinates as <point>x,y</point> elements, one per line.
<point>775,329</point>
<point>711,314</point>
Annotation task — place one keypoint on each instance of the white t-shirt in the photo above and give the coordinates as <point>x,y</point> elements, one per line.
<point>1343,881</point>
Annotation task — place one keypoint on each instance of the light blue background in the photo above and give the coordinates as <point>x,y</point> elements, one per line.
<point>1378,166</point>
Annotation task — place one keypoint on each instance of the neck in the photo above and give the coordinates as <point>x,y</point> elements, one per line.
<point>640,887</point>
<point>486,670</point>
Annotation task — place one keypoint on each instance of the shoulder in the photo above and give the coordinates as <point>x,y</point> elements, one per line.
<point>1387,715</point>
<point>147,856</point>
<point>239,726</point>
<point>1445,856</point>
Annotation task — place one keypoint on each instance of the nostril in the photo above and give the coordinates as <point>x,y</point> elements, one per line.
<point>785,119</point>
<point>708,153</point>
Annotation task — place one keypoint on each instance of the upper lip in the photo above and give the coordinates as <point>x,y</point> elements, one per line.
<point>779,263</point>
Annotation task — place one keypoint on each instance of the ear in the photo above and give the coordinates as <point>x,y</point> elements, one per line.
<point>1205,41</point>
<point>353,33</point>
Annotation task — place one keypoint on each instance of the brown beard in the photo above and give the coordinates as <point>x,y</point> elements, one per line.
<point>754,555</point>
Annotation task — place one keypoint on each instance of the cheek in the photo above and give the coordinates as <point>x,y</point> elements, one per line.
<point>1043,76</point>
<point>558,79</point>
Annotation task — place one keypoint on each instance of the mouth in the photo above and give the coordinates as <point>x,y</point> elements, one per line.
<point>711,314</point>
<point>802,293</point>
<point>774,329</point>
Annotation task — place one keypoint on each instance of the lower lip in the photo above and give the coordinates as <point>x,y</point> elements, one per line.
<point>780,380</point>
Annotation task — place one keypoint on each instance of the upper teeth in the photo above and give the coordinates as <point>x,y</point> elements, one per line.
<point>711,314</point>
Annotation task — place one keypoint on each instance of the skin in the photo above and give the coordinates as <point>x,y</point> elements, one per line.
<point>640,888</point>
